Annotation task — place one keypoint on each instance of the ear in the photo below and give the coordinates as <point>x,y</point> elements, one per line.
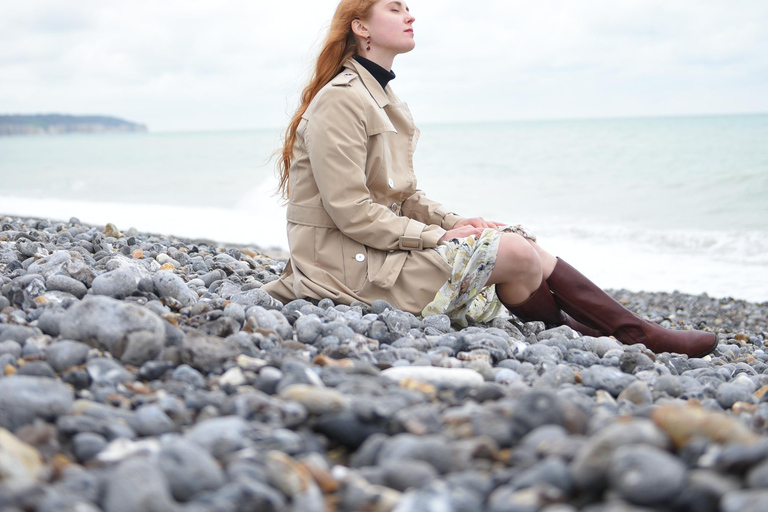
<point>359,29</point>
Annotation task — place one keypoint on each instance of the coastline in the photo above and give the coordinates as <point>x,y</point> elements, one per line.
<point>153,367</point>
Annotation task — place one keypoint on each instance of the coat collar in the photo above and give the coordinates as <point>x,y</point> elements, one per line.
<point>379,95</point>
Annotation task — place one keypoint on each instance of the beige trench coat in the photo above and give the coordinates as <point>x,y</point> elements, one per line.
<point>358,228</point>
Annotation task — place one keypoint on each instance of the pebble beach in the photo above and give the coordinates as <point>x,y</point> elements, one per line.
<point>143,372</point>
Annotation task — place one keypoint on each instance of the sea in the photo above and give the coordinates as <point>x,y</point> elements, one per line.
<point>645,204</point>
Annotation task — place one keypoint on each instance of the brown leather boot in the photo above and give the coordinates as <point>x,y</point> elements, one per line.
<point>587,303</point>
<point>542,306</point>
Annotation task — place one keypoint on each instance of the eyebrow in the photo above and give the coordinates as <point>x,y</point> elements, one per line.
<point>400,4</point>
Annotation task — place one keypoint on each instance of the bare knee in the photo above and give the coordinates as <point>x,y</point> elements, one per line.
<point>517,261</point>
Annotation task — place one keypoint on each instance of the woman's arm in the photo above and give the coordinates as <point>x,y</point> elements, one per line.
<point>336,141</point>
<point>420,207</point>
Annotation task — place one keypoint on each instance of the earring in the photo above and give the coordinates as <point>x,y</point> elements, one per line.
<point>368,44</point>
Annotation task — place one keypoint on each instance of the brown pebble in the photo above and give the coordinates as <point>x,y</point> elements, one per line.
<point>761,392</point>
<point>323,360</point>
<point>415,385</point>
<point>9,370</point>
<point>684,423</point>
<point>138,254</point>
<point>111,230</point>
<point>322,477</point>
<point>741,337</point>
<point>740,407</point>
<point>167,266</point>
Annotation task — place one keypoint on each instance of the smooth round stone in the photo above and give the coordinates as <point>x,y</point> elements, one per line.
<point>317,400</point>
<point>151,420</point>
<point>220,436</point>
<point>135,483</point>
<point>87,445</point>
<point>752,500</point>
<point>637,393</point>
<point>610,379</point>
<point>25,398</point>
<point>646,475</point>
<point>10,347</point>
<point>107,372</point>
<point>758,475</point>
<point>730,393</point>
<point>235,311</point>
<point>601,346</point>
<point>65,354</point>
<point>308,329</point>
<point>66,284</point>
<point>669,384</point>
<point>441,323</point>
<point>552,471</point>
<point>186,373</point>
<point>110,322</point>
<point>37,369</point>
<point>189,469</point>
<point>168,284</point>
<point>404,447</point>
<point>452,377</point>
<point>581,357</point>
<point>541,353</point>
<point>120,282</point>
<point>591,465</point>
<point>633,362</point>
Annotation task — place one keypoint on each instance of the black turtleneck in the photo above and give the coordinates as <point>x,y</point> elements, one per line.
<point>379,73</point>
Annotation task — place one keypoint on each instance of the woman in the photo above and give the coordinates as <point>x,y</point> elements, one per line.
<point>359,229</point>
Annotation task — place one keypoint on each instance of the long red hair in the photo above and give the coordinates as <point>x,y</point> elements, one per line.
<point>339,46</point>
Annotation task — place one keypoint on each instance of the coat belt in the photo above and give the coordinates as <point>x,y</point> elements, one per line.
<point>309,216</point>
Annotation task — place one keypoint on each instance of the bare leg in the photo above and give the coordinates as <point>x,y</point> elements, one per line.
<point>519,269</point>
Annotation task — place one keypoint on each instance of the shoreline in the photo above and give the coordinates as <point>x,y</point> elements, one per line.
<point>149,367</point>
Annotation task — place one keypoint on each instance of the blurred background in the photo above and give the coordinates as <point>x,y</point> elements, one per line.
<point>630,136</point>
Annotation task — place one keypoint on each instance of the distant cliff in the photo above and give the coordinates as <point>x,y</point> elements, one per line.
<point>54,124</point>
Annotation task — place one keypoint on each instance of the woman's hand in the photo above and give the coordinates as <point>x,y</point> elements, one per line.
<point>479,222</point>
<point>461,232</point>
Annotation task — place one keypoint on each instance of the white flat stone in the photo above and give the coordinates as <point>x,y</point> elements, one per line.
<point>435,375</point>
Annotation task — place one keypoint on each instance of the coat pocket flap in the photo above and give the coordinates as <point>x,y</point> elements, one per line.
<point>390,269</point>
<point>379,125</point>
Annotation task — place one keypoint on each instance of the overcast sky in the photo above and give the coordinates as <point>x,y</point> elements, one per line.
<point>234,64</point>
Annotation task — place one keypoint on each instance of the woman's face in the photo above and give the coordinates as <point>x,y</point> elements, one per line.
<point>391,29</point>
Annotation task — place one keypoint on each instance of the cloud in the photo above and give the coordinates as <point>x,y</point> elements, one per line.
<point>197,64</point>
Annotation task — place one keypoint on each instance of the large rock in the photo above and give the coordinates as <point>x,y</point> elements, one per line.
<point>130,332</point>
<point>24,398</point>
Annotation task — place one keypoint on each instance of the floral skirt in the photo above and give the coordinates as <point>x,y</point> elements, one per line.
<point>465,294</point>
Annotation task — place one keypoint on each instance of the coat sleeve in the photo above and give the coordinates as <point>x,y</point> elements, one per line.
<point>420,207</point>
<point>336,141</point>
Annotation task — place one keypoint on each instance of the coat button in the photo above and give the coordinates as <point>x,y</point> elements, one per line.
<point>391,183</point>
<point>360,257</point>
<point>393,207</point>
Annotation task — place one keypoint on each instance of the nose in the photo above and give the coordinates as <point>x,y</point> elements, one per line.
<point>410,19</point>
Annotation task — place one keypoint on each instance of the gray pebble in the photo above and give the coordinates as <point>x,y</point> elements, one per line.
<point>65,354</point>
<point>118,283</point>
<point>189,469</point>
<point>25,398</point>
<point>646,475</point>
<point>138,484</point>
<point>168,284</point>
<point>186,373</point>
<point>87,445</point>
